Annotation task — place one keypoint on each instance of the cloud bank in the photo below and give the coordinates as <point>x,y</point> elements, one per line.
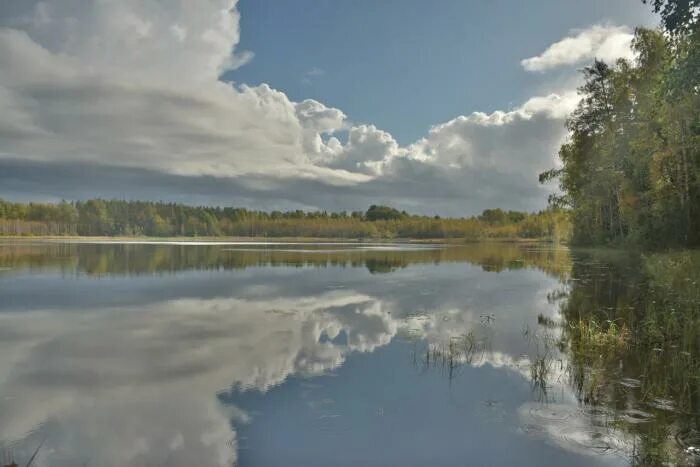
<point>133,87</point>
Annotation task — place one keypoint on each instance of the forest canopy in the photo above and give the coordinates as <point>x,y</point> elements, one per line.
<point>631,167</point>
<point>97,217</point>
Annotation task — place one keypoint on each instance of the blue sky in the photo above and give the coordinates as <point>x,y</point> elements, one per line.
<point>445,107</point>
<point>407,64</point>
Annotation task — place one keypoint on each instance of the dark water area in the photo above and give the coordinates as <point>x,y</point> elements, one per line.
<point>116,354</point>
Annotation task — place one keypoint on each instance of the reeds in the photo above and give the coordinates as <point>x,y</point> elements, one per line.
<point>449,356</point>
<point>590,335</point>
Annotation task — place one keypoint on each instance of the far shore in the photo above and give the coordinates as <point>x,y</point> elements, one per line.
<point>258,240</point>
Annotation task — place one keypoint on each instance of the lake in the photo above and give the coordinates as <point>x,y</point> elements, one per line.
<point>151,354</point>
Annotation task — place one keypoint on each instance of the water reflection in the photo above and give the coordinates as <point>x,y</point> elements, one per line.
<point>214,355</point>
<point>633,337</point>
<point>144,377</point>
<point>97,259</point>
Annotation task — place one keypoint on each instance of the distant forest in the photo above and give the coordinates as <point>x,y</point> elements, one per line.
<point>631,167</point>
<point>97,217</point>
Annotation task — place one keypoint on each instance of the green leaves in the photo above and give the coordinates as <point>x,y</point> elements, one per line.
<point>631,166</point>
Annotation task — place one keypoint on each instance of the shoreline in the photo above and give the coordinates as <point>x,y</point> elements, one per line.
<point>261,240</point>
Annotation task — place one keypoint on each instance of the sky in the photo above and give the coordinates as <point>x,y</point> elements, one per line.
<point>445,107</point>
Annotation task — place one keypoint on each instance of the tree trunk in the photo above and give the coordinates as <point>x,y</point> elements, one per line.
<point>685,182</point>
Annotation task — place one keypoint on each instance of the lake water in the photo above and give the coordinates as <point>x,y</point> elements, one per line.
<point>346,355</point>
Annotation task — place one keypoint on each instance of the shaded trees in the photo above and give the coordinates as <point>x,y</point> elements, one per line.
<point>383,213</point>
<point>631,166</point>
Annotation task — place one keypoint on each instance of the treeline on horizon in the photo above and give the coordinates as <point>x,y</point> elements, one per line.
<point>631,167</point>
<point>98,217</point>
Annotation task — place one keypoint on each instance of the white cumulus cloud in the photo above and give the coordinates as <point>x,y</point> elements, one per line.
<point>607,43</point>
<point>135,86</point>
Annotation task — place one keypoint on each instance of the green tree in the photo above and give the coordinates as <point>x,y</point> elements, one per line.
<point>630,169</point>
<point>376,213</point>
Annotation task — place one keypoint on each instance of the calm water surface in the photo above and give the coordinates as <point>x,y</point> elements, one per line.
<point>344,355</point>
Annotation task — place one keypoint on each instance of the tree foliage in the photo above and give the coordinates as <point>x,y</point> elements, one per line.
<point>383,213</point>
<point>97,217</point>
<point>631,169</point>
<point>678,16</point>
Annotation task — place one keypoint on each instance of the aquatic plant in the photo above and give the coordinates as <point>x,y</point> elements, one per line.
<point>451,355</point>
<point>589,335</point>
<point>632,335</point>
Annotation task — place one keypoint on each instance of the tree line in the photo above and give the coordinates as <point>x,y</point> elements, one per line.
<point>98,217</point>
<point>631,168</point>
